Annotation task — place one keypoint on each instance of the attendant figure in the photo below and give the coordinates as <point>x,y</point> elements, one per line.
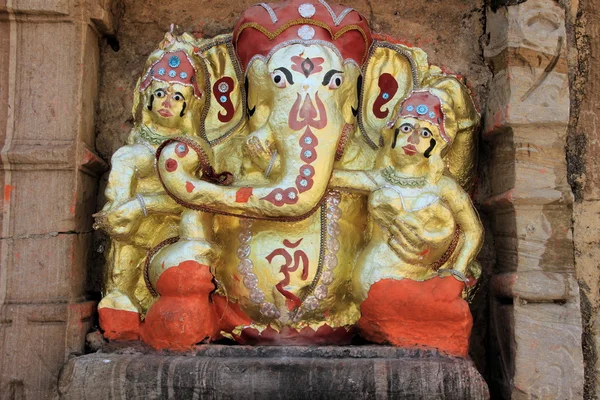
<point>138,214</point>
<point>425,233</point>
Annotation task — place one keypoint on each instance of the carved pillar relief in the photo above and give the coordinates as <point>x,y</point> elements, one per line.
<point>535,319</point>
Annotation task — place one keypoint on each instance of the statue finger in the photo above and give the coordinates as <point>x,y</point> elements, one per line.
<point>412,247</point>
<point>401,251</point>
<point>409,233</point>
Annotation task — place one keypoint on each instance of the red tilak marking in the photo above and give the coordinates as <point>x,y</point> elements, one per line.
<point>243,195</point>
<point>305,114</point>
<point>307,71</point>
<point>292,301</point>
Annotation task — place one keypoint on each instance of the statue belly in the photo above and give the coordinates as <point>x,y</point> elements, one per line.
<point>281,275</point>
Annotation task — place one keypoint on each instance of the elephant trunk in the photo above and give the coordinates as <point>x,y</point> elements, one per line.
<point>307,157</point>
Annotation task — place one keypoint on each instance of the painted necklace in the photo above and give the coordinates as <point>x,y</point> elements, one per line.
<point>151,136</point>
<point>391,176</point>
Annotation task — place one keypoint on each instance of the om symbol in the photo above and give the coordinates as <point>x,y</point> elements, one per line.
<point>292,301</point>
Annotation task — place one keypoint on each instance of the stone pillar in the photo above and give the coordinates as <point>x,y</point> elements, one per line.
<point>535,320</point>
<point>49,59</point>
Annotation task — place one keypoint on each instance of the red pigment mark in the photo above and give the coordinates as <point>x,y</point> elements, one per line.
<point>181,149</point>
<point>292,300</point>
<point>304,184</point>
<point>222,91</point>
<point>236,277</point>
<point>305,114</point>
<point>189,186</point>
<point>424,252</point>
<point>280,197</point>
<point>170,165</point>
<point>388,87</point>
<point>7,190</point>
<point>307,66</point>
<point>243,195</point>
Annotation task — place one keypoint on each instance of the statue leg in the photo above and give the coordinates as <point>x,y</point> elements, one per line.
<point>183,314</point>
<point>180,273</point>
<point>119,311</point>
<point>416,314</point>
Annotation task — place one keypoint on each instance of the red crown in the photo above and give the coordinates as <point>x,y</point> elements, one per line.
<point>172,67</point>
<point>425,106</point>
<point>262,27</point>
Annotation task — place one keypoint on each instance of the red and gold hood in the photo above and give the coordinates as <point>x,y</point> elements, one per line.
<point>265,27</point>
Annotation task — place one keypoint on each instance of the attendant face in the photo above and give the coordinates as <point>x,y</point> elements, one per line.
<point>168,103</point>
<point>415,140</point>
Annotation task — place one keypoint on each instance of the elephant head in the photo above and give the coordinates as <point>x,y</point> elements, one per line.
<point>302,65</point>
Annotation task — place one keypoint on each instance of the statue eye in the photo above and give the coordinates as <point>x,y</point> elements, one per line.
<point>281,77</point>
<point>178,96</point>
<point>278,79</point>
<point>333,78</point>
<point>426,133</point>
<point>159,93</point>
<point>336,81</point>
<point>406,128</point>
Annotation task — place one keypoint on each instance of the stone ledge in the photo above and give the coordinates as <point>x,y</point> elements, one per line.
<point>240,372</point>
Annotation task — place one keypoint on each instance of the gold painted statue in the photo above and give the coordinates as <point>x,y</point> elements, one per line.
<point>267,190</point>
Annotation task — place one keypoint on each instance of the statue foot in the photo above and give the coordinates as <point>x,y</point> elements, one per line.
<point>183,315</point>
<point>414,314</point>
<point>119,317</point>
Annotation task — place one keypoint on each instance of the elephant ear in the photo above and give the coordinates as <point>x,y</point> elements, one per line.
<point>461,159</point>
<point>390,73</point>
<point>225,101</point>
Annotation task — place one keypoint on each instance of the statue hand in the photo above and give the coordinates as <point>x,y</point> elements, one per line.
<point>122,220</point>
<point>405,242</point>
<point>412,240</point>
<point>259,148</point>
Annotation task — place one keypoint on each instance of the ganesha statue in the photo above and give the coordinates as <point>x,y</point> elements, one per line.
<point>297,182</point>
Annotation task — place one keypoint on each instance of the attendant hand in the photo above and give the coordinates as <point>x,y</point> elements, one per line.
<point>404,239</point>
<point>412,240</point>
<point>120,221</point>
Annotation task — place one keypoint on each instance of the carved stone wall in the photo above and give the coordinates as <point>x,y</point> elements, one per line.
<point>49,59</point>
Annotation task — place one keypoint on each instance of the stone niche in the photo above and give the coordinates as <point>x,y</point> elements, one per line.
<point>526,340</point>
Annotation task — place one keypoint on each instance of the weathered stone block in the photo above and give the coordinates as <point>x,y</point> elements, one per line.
<point>534,286</point>
<point>46,269</point>
<point>238,372</point>
<point>38,6</point>
<point>556,372</point>
<point>35,341</point>
<point>527,159</point>
<point>520,95</point>
<point>45,64</point>
<point>534,24</point>
<point>533,238</point>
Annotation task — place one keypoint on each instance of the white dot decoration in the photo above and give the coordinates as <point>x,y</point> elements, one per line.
<point>306,10</point>
<point>306,32</point>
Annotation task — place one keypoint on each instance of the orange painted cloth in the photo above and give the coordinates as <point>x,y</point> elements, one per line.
<point>183,315</point>
<point>119,324</point>
<point>413,314</point>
